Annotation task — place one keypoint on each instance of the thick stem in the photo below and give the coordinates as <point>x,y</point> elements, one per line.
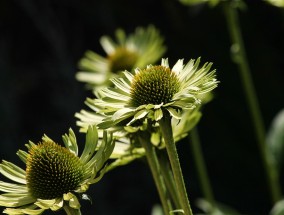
<point>238,51</point>
<point>169,178</point>
<point>156,171</point>
<point>71,211</point>
<point>200,166</point>
<point>166,128</point>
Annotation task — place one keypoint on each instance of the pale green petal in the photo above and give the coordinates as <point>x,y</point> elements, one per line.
<point>115,95</point>
<point>120,36</point>
<point>90,144</point>
<point>120,149</point>
<point>30,145</point>
<point>140,114</point>
<point>19,211</point>
<point>74,203</point>
<point>94,63</point>
<point>15,200</point>
<point>127,158</point>
<point>103,154</point>
<point>106,124</point>
<point>57,205</point>
<point>92,78</point>
<point>175,114</point>
<point>165,62</point>
<point>45,138</point>
<point>13,172</point>
<point>158,114</point>
<point>122,113</point>
<point>119,84</point>
<point>33,211</point>
<point>45,203</point>
<point>188,70</point>
<point>177,68</point>
<point>108,45</point>
<point>68,196</point>
<point>128,76</point>
<point>22,155</point>
<point>71,142</point>
<point>14,188</point>
<point>13,211</point>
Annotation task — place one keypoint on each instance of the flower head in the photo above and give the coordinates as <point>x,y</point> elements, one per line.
<point>55,175</point>
<point>139,49</point>
<point>149,92</point>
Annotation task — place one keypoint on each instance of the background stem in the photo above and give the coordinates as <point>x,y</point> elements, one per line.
<point>166,128</point>
<point>200,166</point>
<point>238,51</point>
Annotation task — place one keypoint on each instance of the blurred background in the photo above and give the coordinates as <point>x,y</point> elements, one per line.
<point>42,41</point>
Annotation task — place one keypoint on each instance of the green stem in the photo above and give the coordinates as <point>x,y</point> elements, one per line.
<point>156,171</point>
<point>238,50</point>
<point>166,128</point>
<point>201,167</point>
<point>169,179</point>
<point>71,211</point>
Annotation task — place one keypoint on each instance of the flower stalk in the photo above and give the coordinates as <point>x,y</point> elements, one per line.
<point>169,178</point>
<point>71,211</point>
<point>156,171</point>
<point>166,129</point>
<point>240,58</point>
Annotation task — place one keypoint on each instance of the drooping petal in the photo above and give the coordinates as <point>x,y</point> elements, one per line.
<point>15,199</point>
<point>13,188</point>
<point>20,211</point>
<point>158,114</point>
<point>45,203</point>
<point>13,172</point>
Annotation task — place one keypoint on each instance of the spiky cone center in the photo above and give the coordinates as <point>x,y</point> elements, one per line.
<point>154,85</point>
<point>122,59</point>
<point>52,170</point>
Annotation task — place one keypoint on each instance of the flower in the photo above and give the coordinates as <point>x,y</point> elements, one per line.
<point>139,49</point>
<point>142,98</point>
<point>196,84</point>
<point>55,176</point>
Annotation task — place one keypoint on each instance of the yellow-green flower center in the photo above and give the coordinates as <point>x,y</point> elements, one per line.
<point>52,170</point>
<point>154,85</point>
<point>122,59</point>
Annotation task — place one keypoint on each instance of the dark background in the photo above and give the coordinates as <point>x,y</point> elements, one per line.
<point>42,41</point>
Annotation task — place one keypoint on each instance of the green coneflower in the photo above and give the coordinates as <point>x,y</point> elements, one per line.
<point>150,92</point>
<point>55,176</point>
<point>143,47</point>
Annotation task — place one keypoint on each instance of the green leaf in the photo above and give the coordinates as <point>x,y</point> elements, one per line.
<point>275,138</point>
